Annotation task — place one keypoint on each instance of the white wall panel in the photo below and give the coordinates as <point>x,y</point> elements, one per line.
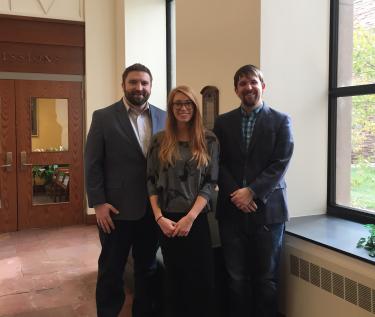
<point>295,61</point>
<point>145,42</point>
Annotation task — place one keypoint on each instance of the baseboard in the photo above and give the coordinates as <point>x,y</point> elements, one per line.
<point>90,220</point>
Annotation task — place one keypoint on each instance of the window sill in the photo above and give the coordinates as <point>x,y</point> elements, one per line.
<point>334,233</point>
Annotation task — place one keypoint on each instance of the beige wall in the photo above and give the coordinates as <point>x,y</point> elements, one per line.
<point>102,84</point>
<point>213,39</point>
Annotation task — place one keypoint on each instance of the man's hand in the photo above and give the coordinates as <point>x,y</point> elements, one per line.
<point>167,226</point>
<point>243,199</point>
<point>103,217</point>
<point>183,226</point>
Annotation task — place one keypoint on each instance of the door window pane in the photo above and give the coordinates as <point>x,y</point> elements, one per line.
<point>356,58</point>
<point>49,125</point>
<point>355,156</point>
<point>50,183</point>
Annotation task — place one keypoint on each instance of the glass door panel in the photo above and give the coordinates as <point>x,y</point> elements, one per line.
<point>49,125</point>
<point>49,145</point>
<point>50,183</point>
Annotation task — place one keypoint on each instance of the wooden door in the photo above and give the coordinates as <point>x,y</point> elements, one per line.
<point>8,157</point>
<point>41,159</point>
<point>49,145</point>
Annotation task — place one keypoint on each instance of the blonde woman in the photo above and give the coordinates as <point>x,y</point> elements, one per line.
<point>182,172</point>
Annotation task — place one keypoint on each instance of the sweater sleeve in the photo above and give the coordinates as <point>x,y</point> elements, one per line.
<point>153,164</point>
<point>212,169</point>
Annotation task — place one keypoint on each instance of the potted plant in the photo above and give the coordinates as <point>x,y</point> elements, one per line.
<point>42,175</point>
<point>369,242</point>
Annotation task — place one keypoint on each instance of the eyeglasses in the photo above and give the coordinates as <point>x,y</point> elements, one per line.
<point>181,103</point>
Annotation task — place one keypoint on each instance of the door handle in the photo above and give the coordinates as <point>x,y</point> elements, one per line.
<point>8,161</point>
<point>23,160</point>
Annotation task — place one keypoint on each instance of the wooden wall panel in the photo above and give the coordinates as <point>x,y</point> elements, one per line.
<point>30,58</point>
<point>41,46</point>
<point>41,31</point>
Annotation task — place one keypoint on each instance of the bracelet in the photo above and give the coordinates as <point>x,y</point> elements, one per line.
<point>158,218</point>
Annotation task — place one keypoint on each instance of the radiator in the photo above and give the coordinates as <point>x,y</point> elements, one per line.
<point>318,282</point>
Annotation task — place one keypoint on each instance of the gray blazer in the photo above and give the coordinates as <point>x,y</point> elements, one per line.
<point>115,167</point>
<point>263,165</point>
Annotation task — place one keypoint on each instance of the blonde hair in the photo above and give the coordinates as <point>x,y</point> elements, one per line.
<point>169,153</point>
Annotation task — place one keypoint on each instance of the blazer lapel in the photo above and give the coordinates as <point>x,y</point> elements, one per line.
<point>154,120</point>
<point>127,127</point>
<point>236,127</point>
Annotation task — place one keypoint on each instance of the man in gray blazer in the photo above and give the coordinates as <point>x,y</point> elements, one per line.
<point>256,145</point>
<point>115,173</point>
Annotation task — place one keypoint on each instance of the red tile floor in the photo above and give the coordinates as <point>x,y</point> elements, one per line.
<point>50,272</point>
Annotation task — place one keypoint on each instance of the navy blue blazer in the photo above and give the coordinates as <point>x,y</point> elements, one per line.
<point>115,167</point>
<point>263,165</point>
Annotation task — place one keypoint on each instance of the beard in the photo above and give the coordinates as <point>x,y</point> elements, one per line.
<point>250,101</point>
<point>137,99</point>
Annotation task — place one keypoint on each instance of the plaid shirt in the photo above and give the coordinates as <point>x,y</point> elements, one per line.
<point>248,123</point>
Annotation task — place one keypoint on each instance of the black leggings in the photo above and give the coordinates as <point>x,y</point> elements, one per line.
<point>190,268</point>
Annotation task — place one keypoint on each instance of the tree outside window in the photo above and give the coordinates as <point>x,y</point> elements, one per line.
<point>355,106</point>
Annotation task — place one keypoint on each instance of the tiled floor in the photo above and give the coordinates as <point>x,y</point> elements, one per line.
<point>50,272</point>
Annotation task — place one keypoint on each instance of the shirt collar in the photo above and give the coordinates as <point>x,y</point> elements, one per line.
<point>132,109</point>
<point>254,112</point>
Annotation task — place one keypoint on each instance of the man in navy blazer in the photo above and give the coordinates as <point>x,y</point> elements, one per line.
<point>256,146</point>
<point>115,172</point>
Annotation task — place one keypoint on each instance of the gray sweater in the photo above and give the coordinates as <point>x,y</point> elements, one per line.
<point>179,185</point>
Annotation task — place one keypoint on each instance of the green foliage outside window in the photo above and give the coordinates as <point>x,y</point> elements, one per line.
<point>363,55</point>
<point>363,121</point>
<point>363,186</point>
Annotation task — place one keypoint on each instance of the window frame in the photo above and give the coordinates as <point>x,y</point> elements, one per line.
<point>354,214</point>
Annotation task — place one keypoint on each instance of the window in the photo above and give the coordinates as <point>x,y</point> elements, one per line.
<point>171,43</point>
<point>352,110</point>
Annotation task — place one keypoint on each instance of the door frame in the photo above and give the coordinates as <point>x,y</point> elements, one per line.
<point>8,175</point>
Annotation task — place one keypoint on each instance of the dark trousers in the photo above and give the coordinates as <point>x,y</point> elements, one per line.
<point>252,255</point>
<point>141,237</point>
<point>190,269</point>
